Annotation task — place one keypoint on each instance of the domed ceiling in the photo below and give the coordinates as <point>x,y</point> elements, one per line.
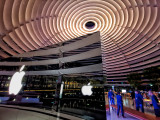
<point>130,29</point>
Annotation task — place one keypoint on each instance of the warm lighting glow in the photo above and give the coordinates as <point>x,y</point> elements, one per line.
<point>123,91</point>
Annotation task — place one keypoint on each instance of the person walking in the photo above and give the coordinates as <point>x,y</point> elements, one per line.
<point>139,101</point>
<point>155,103</point>
<point>119,104</point>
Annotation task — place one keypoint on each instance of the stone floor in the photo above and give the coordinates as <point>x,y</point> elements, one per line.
<point>9,112</point>
<point>17,114</point>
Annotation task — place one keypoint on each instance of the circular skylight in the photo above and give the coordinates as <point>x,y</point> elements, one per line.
<point>90,25</point>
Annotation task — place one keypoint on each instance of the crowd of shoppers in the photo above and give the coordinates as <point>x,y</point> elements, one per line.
<point>138,101</point>
<point>119,101</point>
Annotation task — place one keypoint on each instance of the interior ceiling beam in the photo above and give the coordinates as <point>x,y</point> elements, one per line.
<point>129,29</point>
<point>85,69</point>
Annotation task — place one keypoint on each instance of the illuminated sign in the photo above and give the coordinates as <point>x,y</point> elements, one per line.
<point>15,84</point>
<point>87,89</point>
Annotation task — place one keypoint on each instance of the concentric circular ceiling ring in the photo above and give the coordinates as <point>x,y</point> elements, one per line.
<point>130,29</point>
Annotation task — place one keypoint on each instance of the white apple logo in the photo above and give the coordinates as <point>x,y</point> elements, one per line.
<point>15,84</point>
<point>87,89</point>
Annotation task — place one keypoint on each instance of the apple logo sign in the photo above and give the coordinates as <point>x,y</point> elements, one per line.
<point>15,84</point>
<point>87,89</point>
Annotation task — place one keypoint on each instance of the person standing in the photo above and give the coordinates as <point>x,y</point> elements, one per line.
<point>111,97</point>
<point>119,104</point>
<point>139,101</point>
<point>155,103</point>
